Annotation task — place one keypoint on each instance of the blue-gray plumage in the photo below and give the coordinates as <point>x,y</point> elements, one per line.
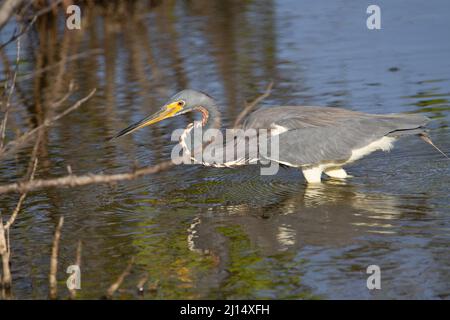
<point>315,139</point>
<point>317,135</point>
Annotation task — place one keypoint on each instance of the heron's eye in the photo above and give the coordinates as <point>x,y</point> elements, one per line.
<point>181,103</point>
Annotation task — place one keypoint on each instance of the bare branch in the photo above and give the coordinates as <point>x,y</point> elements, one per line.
<point>7,10</point>
<point>18,35</point>
<point>13,216</point>
<point>141,284</point>
<point>73,292</point>
<point>74,180</point>
<point>249,107</point>
<point>12,146</point>
<point>113,288</point>
<point>33,19</point>
<point>6,279</point>
<point>59,102</point>
<point>8,99</point>
<point>5,250</point>
<point>50,7</point>
<point>63,61</point>
<point>53,290</point>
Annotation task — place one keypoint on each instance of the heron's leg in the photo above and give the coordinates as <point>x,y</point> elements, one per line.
<point>312,175</point>
<point>336,173</point>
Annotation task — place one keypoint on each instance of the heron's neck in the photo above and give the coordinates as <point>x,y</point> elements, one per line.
<point>211,118</point>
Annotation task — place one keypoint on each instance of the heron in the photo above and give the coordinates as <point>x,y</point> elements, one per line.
<point>316,140</point>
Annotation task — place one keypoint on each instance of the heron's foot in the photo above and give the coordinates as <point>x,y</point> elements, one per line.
<point>337,173</point>
<point>312,175</point>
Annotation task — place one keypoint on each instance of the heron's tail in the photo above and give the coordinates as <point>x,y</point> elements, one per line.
<point>425,137</point>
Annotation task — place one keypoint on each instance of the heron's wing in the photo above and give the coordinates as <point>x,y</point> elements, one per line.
<point>297,117</point>
<point>315,135</point>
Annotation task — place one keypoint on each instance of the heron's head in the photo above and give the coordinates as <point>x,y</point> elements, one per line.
<point>180,103</point>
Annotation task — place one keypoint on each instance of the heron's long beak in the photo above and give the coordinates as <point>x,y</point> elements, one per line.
<point>167,112</point>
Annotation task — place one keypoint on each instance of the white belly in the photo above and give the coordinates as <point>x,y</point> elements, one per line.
<point>384,144</point>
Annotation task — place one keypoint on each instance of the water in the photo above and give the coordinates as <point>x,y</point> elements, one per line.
<point>229,233</point>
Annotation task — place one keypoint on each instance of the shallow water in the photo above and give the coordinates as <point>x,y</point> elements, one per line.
<point>230,233</point>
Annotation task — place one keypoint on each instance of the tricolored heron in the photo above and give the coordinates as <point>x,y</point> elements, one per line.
<point>315,139</point>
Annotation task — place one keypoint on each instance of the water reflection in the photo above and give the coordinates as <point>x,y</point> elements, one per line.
<point>331,214</point>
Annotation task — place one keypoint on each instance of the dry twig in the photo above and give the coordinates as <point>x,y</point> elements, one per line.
<point>115,286</point>
<point>12,146</point>
<point>18,35</point>
<point>63,61</point>
<point>6,279</point>
<point>141,284</point>
<point>5,250</point>
<point>7,10</point>
<point>32,19</point>
<point>8,98</point>
<point>53,285</point>
<point>73,292</point>
<point>249,107</point>
<point>74,180</point>
<point>13,216</point>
